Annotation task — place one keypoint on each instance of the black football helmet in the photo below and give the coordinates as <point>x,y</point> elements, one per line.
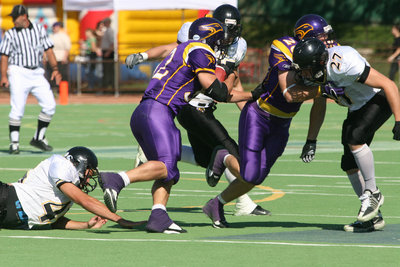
<point>230,17</point>
<point>209,31</point>
<point>313,25</point>
<point>310,54</point>
<point>84,159</point>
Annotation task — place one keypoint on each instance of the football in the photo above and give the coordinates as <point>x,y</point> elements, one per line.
<point>220,73</point>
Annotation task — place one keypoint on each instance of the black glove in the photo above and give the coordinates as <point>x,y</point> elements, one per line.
<point>396,131</point>
<point>257,92</point>
<point>229,67</point>
<point>308,153</point>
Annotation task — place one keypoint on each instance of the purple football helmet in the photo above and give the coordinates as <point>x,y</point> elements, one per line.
<point>313,25</point>
<point>209,31</point>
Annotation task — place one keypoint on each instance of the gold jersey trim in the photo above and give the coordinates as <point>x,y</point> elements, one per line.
<point>274,111</point>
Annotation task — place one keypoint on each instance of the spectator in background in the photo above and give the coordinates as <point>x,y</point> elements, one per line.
<point>62,46</point>
<point>394,58</point>
<point>107,48</point>
<point>92,52</point>
<point>100,30</point>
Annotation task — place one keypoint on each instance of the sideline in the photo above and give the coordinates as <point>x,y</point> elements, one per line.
<point>203,241</point>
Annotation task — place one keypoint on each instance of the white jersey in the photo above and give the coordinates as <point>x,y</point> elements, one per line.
<point>39,192</point>
<point>344,67</point>
<point>236,52</point>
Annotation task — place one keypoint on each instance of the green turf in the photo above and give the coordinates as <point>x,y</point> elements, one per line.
<point>310,203</point>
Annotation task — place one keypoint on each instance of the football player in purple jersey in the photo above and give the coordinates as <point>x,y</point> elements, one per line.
<point>264,124</point>
<point>189,69</point>
<point>205,132</point>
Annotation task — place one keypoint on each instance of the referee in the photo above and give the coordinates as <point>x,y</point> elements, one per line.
<point>21,53</point>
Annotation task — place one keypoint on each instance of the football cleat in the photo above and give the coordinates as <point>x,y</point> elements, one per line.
<point>370,204</point>
<point>140,157</point>
<point>111,183</point>
<point>160,222</point>
<point>215,211</point>
<point>110,197</point>
<point>260,211</point>
<point>376,224</point>
<point>216,166</point>
<point>14,148</point>
<point>41,144</point>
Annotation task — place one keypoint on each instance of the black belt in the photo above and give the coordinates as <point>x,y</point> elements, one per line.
<point>30,68</point>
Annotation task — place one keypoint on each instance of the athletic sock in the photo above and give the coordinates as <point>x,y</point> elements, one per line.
<point>365,162</point>
<point>357,182</point>
<point>14,133</point>
<point>41,130</point>
<point>43,123</point>
<point>220,199</point>
<point>14,127</point>
<point>125,178</point>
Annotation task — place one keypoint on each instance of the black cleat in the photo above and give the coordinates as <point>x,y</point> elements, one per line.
<point>260,211</point>
<point>14,148</point>
<point>41,144</point>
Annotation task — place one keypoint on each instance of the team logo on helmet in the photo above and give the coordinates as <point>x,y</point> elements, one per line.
<point>302,30</point>
<point>211,28</point>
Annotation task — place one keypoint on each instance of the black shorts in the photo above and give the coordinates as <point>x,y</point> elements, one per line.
<point>360,126</point>
<point>205,132</point>
<point>12,214</point>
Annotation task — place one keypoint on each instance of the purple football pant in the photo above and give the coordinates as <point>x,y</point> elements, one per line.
<point>262,140</point>
<point>152,124</point>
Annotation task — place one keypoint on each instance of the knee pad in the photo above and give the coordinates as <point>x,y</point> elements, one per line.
<point>348,163</point>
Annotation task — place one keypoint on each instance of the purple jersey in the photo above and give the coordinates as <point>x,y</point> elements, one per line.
<point>175,80</point>
<point>280,59</point>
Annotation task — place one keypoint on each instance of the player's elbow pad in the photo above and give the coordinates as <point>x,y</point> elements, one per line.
<point>217,91</point>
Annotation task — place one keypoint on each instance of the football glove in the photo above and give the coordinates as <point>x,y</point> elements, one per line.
<point>308,153</point>
<point>257,92</point>
<point>396,131</point>
<point>134,59</point>
<point>228,66</point>
<point>330,90</point>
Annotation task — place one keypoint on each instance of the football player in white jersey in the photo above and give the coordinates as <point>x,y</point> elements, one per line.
<point>43,196</point>
<point>205,132</point>
<point>371,99</point>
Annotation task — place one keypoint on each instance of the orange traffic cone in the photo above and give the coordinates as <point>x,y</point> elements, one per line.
<point>63,93</point>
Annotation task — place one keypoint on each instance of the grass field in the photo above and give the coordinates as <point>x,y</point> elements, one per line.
<point>310,203</point>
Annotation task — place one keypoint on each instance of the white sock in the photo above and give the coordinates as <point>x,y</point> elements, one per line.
<point>14,136</point>
<point>365,162</point>
<point>158,206</point>
<point>244,201</point>
<point>187,155</point>
<point>125,178</point>
<point>229,176</point>
<point>357,182</point>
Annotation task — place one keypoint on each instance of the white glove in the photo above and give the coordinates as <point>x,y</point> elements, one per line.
<point>134,59</point>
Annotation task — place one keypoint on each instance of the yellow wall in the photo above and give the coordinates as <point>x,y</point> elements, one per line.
<point>141,30</point>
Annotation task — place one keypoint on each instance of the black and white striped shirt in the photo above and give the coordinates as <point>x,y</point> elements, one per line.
<point>25,46</point>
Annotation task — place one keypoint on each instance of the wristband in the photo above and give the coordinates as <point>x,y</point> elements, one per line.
<point>284,91</point>
<point>144,55</point>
